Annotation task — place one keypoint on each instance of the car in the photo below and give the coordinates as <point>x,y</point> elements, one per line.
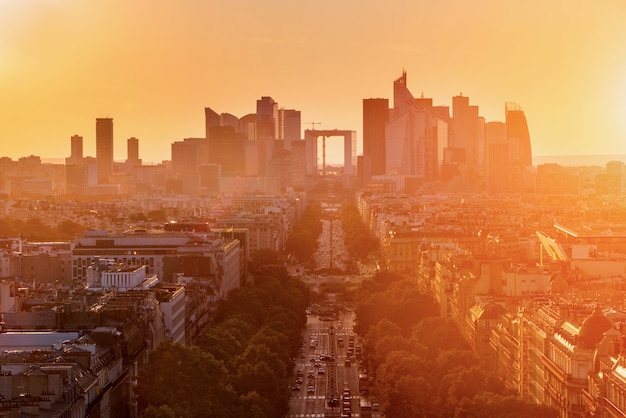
<point>310,390</point>
<point>321,371</point>
<point>295,388</point>
<point>347,363</point>
<point>299,380</point>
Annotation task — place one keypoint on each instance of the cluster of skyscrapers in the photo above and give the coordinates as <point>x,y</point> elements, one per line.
<point>407,147</point>
<point>415,142</point>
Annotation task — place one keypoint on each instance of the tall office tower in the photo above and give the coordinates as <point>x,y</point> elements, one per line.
<point>132,148</point>
<point>465,130</point>
<point>375,117</point>
<point>409,134</point>
<point>104,148</point>
<point>247,126</point>
<point>518,138</point>
<point>441,124</point>
<point>132,156</point>
<point>289,126</point>
<point>266,129</point>
<point>402,98</point>
<point>188,156</point>
<point>497,158</point>
<point>517,134</point>
<point>211,119</point>
<point>227,148</point>
<point>75,169</point>
<point>76,155</point>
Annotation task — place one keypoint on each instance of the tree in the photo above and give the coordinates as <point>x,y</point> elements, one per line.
<point>162,411</point>
<point>403,385</point>
<point>438,334</point>
<point>190,382</point>
<point>67,229</point>
<point>302,245</point>
<point>263,257</point>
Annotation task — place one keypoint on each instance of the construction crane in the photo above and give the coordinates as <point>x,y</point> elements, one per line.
<point>314,123</point>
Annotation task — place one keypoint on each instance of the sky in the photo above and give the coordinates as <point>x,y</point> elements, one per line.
<point>153,66</point>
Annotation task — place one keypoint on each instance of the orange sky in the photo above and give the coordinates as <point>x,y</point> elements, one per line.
<point>154,65</point>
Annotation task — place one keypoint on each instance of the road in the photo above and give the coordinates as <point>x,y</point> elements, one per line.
<point>327,338</point>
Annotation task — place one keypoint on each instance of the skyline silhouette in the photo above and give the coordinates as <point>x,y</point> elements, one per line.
<point>65,64</point>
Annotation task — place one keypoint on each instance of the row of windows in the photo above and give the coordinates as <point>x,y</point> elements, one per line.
<point>132,261</point>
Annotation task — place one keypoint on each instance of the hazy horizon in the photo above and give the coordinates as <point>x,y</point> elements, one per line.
<point>63,64</point>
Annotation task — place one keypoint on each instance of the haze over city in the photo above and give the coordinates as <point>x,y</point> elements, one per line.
<point>155,66</point>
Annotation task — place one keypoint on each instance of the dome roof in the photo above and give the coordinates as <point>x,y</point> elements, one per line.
<point>593,328</point>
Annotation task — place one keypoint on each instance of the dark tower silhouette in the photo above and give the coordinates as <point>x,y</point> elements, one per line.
<point>375,116</point>
<point>104,148</point>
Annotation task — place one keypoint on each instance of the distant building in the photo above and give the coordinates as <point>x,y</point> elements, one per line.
<point>498,163</point>
<point>289,127</point>
<point>465,130</point>
<point>104,148</point>
<point>375,117</point>
<point>266,130</point>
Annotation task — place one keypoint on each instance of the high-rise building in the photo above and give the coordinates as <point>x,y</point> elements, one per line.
<point>441,124</point>
<point>76,155</point>
<point>375,117</point>
<point>132,157</point>
<point>104,148</point>
<point>497,158</point>
<point>211,119</point>
<point>465,130</point>
<point>517,134</point>
<point>289,126</point>
<point>76,169</point>
<point>409,136</point>
<point>518,139</point>
<point>227,148</point>
<point>187,157</point>
<point>266,129</point>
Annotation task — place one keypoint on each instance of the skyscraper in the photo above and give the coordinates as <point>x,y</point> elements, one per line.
<point>75,169</point>
<point>518,140</point>
<point>104,148</point>
<point>375,116</point>
<point>76,155</point>
<point>517,134</point>
<point>289,126</point>
<point>266,129</point>
<point>132,156</point>
<point>465,130</point>
<point>497,158</point>
<point>211,119</point>
<point>410,149</point>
